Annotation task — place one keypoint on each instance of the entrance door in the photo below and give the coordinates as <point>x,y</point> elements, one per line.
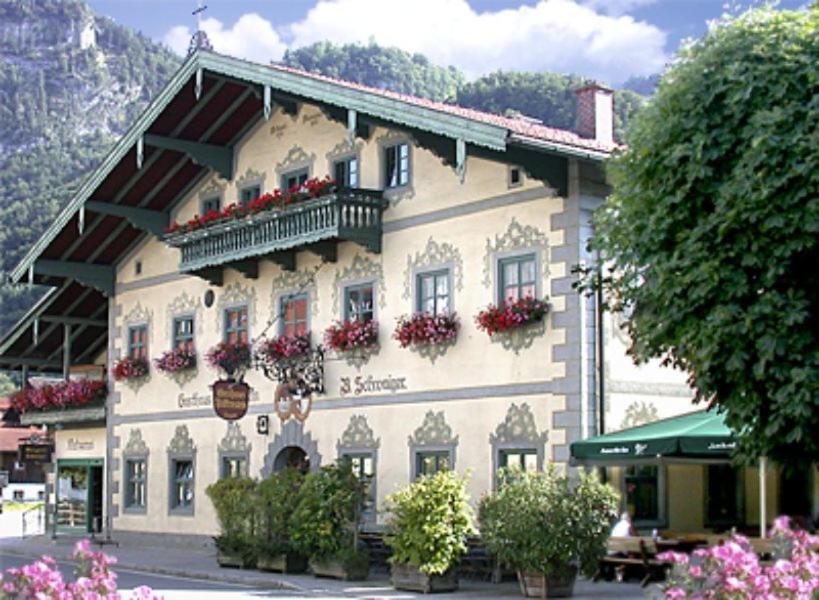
<point>795,493</point>
<point>292,457</point>
<point>79,485</point>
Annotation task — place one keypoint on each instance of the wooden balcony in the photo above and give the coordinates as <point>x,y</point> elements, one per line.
<point>353,215</point>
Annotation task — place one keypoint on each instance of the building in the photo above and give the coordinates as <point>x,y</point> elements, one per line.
<point>18,481</point>
<point>444,209</point>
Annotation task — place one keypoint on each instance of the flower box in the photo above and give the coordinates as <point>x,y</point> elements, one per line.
<point>537,585</point>
<point>408,577</point>
<point>128,369</point>
<point>65,394</point>
<point>511,315</point>
<point>346,336</point>
<point>426,330</point>
<point>230,560</point>
<point>334,569</point>
<point>230,358</point>
<point>176,360</point>
<point>275,200</point>
<point>284,347</point>
<point>290,562</point>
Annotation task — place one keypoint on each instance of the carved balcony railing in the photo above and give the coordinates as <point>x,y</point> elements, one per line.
<point>353,215</point>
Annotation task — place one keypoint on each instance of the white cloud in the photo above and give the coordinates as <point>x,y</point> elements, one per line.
<point>616,7</point>
<point>554,35</point>
<point>251,37</point>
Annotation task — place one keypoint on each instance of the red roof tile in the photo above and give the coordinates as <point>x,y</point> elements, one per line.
<point>517,126</point>
<point>10,437</point>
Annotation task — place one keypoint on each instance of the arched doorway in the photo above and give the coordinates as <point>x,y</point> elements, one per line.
<point>291,457</point>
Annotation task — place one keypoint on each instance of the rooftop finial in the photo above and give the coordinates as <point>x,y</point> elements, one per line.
<point>200,40</point>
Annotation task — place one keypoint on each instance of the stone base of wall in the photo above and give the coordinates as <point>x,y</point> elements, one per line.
<point>152,539</point>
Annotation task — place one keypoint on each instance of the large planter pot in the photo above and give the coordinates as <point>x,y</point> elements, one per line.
<point>283,563</point>
<point>226,559</point>
<point>408,577</point>
<point>537,585</point>
<point>335,570</point>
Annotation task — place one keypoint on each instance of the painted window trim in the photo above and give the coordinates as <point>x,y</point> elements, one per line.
<point>416,451</point>
<point>180,317</point>
<point>536,446</point>
<point>417,273</point>
<point>294,295</point>
<point>184,511</point>
<point>225,308</point>
<point>247,186</point>
<point>358,283</point>
<point>662,498</point>
<point>129,347</point>
<point>518,253</point>
<point>369,515</point>
<point>345,158</point>
<point>219,202</point>
<point>307,169</point>
<point>233,454</point>
<point>385,145</point>
<point>128,508</point>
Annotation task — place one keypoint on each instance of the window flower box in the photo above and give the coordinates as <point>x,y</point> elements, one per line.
<point>65,394</point>
<point>509,316</point>
<point>283,348</point>
<point>427,330</point>
<point>347,336</point>
<point>176,361</point>
<point>233,359</point>
<point>128,369</point>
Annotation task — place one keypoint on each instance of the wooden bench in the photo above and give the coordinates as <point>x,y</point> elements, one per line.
<point>637,554</point>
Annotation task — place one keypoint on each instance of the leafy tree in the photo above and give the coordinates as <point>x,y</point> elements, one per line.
<point>712,232</point>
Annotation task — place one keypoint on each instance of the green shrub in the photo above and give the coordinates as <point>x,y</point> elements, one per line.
<point>325,522</point>
<point>430,522</point>
<point>541,522</point>
<point>277,497</point>
<point>234,499</point>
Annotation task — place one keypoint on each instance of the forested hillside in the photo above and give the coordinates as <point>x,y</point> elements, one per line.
<point>72,81</point>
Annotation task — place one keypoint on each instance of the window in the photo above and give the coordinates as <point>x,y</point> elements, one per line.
<point>522,460</point>
<point>135,477</point>
<point>209,204</point>
<point>17,495</point>
<point>517,278</point>
<point>236,325</point>
<point>234,466</point>
<point>138,267</point>
<point>358,302</point>
<point>515,177</point>
<point>430,463</point>
<point>363,465</point>
<point>294,178</point>
<point>249,193</point>
<point>643,490</point>
<point>345,172</point>
<point>138,342</point>
<point>294,315</point>
<point>396,165</point>
<point>433,293</point>
<point>183,333</point>
<point>182,485</point>
<point>723,500</point>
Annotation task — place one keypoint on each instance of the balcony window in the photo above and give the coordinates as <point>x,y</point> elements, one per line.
<point>138,342</point>
<point>249,193</point>
<point>345,172</point>
<point>209,204</point>
<point>236,326</point>
<point>433,293</point>
<point>517,278</point>
<point>294,315</point>
<point>294,178</point>
<point>358,302</point>
<point>396,165</point>
<point>183,333</point>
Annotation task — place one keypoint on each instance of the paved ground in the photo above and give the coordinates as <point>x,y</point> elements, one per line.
<point>190,574</point>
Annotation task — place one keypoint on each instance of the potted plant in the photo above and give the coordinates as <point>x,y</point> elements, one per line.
<point>127,368</point>
<point>176,361</point>
<point>348,336</point>
<point>427,531</point>
<point>547,528</point>
<point>511,315</point>
<point>278,496</point>
<point>233,359</point>
<point>234,500</point>
<point>426,330</point>
<point>326,521</point>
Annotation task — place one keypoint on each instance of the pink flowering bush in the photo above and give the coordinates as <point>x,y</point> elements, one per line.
<point>176,360</point>
<point>352,335</point>
<point>284,347</point>
<point>426,330</point>
<point>734,571</point>
<point>59,395</point>
<point>42,580</point>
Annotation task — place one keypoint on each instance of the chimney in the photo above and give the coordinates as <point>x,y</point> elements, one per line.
<point>595,112</point>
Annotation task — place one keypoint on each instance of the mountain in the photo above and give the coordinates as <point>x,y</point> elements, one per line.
<point>71,82</point>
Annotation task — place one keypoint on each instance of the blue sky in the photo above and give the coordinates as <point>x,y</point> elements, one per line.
<point>605,39</point>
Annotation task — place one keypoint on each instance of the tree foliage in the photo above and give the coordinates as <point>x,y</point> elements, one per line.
<point>712,231</point>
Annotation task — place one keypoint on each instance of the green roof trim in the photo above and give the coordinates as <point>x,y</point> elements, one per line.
<point>701,434</point>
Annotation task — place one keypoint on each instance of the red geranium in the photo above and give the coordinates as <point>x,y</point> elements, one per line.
<point>284,347</point>
<point>130,368</point>
<point>425,329</point>
<point>351,335</point>
<point>176,360</point>
<point>510,315</point>
<point>58,395</point>
<point>231,358</point>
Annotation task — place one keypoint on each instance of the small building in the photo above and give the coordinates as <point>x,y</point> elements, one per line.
<point>19,481</point>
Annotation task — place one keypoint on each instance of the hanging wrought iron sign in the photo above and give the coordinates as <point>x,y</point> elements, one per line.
<point>298,377</point>
<point>230,399</point>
